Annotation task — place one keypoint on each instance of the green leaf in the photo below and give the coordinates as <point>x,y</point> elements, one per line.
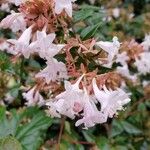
<point>129,128</point>
<point>117,128</point>
<point>82,15</point>
<point>31,134</point>
<point>10,143</point>
<point>89,31</point>
<point>102,143</point>
<point>88,136</point>
<point>8,127</point>
<point>5,63</point>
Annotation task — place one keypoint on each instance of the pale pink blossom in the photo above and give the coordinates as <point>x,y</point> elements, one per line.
<point>146,42</point>
<point>54,71</point>
<point>91,115</point>
<point>22,44</point>
<point>122,58</point>
<point>5,7</point>
<point>143,63</point>
<point>124,71</point>
<point>70,102</point>
<point>4,46</point>
<point>66,5</point>
<point>17,2</point>
<point>44,46</point>
<point>110,47</point>
<point>14,21</point>
<point>33,97</point>
<point>111,101</point>
<point>116,12</point>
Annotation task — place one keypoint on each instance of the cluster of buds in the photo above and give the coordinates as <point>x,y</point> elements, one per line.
<point>44,29</point>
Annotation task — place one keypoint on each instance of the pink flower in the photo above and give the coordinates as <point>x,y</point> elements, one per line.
<point>66,5</point>
<point>69,102</point>
<point>33,97</point>
<point>17,2</point>
<point>44,46</point>
<point>122,58</point>
<point>91,115</point>
<point>5,7</point>
<point>111,101</point>
<point>110,47</point>
<point>143,63</point>
<point>54,71</point>
<point>146,43</point>
<point>14,21</point>
<point>22,44</point>
<point>124,71</point>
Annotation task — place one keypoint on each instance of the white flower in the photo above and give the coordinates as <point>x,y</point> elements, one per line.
<point>146,42</point>
<point>143,63</point>
<point>110,47</point>
<point>145,83</point>
<point>54,71</point>
<point>5,7</point>
<point>124,71</point>
<point>111,101</point>
<point>66,5</point>
<point>33,97</point>
<point>91,115</point>
<point>22,44</point>
<point>9,98</point>
<point>122,58</point>
<point>16,2</point>
<point>44,46</point>
<point>92,1</point>
<point>69,102</point>
<point>4,46</point>
<point>14,21</point>
<point>116,12</point>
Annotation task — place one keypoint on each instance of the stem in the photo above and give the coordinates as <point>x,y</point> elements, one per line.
<point>60,133</point>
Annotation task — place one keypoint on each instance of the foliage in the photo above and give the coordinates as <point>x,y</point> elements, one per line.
<point>30,129</point>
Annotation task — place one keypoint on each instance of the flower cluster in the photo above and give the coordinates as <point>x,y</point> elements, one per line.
<point>43,29</point>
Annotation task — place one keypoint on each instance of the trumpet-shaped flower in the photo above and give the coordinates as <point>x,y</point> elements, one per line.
<point>111,101</point>
<point>91,115</point>
<point>116,12</point>
<point>54,71</point>
<point>33,98</point>
<point>69,102</point>
<point>143,63</point>
<point>110,47</point>
<point>14,21</point>
<point>5,7</point>
<point>16,2</point>
<point>66,5</point>
<point>124,71</point>
<point>122,58</point>
<point>22,44</point>
<point>146,43</point>
<point>44,46</point>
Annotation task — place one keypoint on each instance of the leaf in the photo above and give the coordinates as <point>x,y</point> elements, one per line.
<point>10,143</point>
<point>88,136</point>
<point>5,63</point>
<point>7,127</point>
<point>117,128</point>
<point>89,31</point>
<point>129,128</point>
<point>102,143</point>
<point>82,15</point>
<point>31,134</point>
<point>119,147</point>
